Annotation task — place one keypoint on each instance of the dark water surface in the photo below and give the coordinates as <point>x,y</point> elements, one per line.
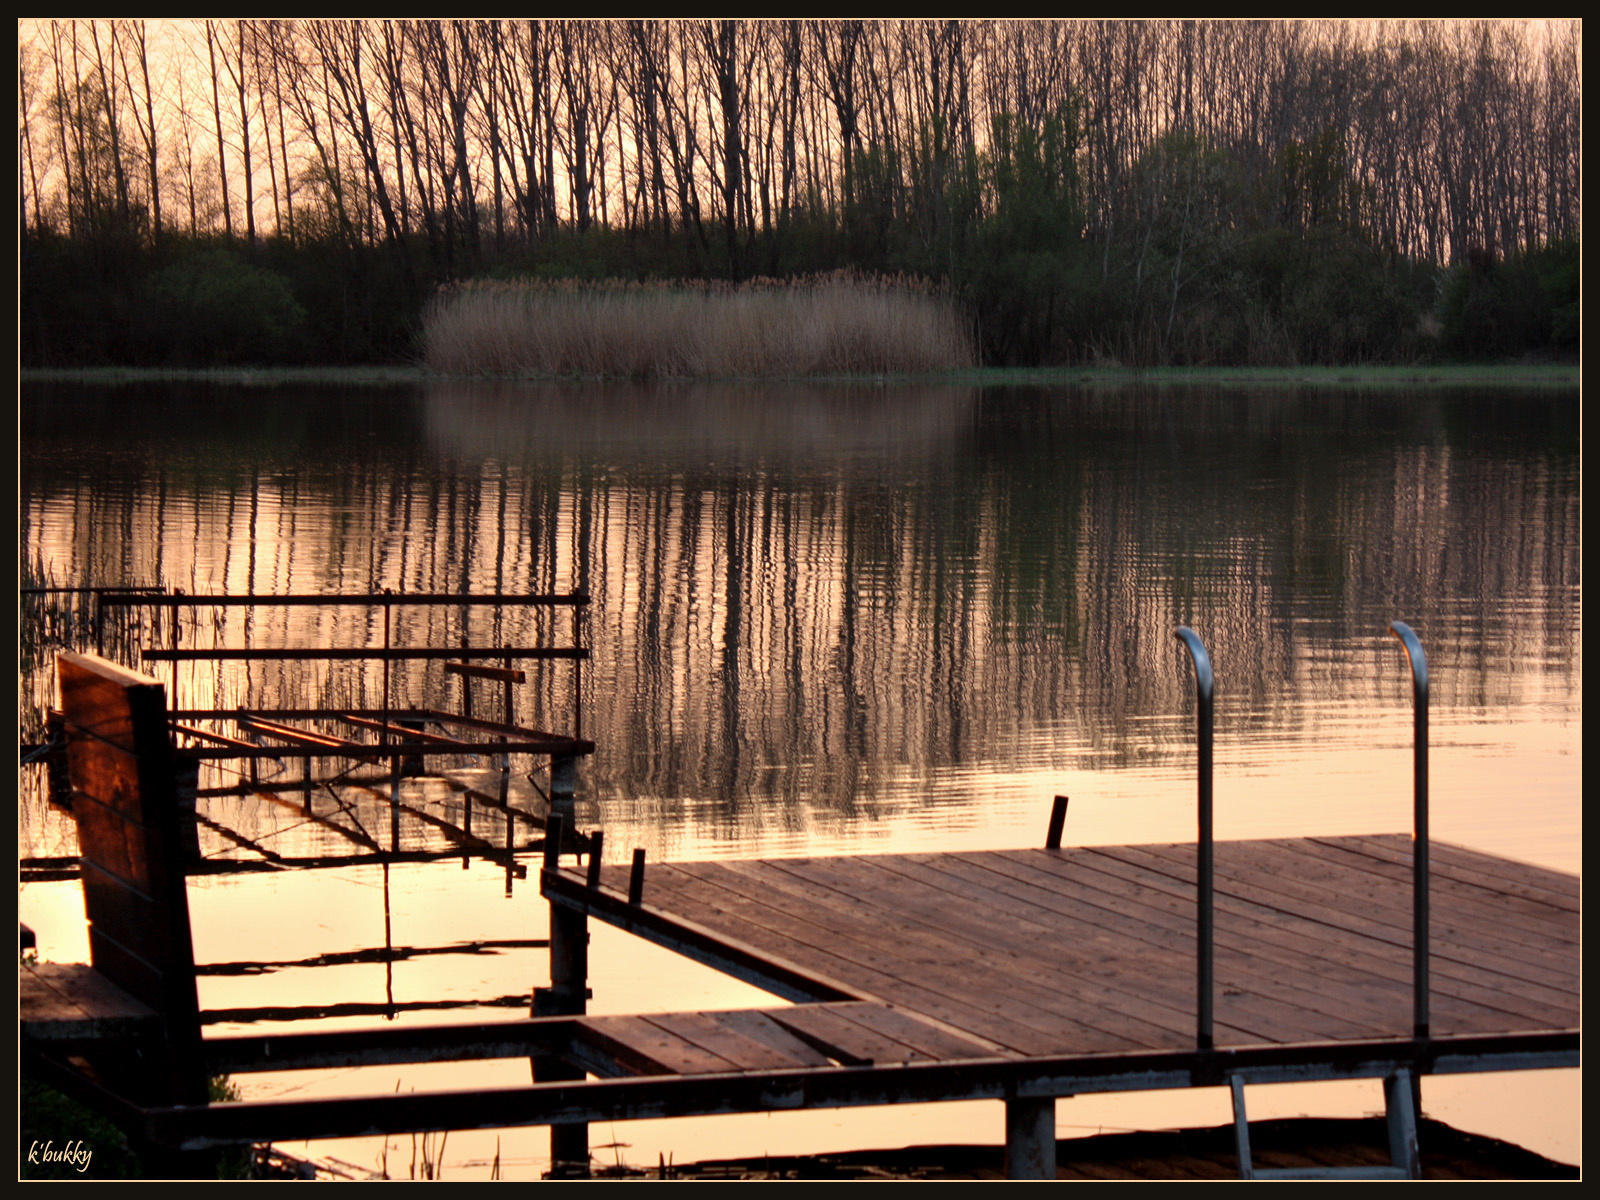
<point>848,619</point>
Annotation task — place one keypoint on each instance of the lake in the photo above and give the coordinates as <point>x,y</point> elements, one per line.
<point>848,619</point>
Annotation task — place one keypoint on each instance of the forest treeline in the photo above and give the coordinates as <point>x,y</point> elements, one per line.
<point>216,191</point>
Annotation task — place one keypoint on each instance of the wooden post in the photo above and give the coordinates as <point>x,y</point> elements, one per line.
<point>1058,821</point>
<point>1031,1137</point>
<point>564,796</point>
<point>58,783</point>
<point>636,877</point>
<point>567,995</point>
<point>126,806</point>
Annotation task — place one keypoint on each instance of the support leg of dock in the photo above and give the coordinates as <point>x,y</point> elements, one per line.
<point>1398,1092</point>
<point>564,797</point>
<point>567,995</point>
<point>1031,1138</point>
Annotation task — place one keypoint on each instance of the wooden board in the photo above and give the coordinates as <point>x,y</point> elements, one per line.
<point>124,801</point>
<point>849,1033</point>
<point>1091,950</point>
<point>74,1002</point>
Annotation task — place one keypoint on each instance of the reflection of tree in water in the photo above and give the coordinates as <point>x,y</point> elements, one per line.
<point>807,598</point>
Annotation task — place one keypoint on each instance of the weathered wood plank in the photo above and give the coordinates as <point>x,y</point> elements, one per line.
<point>1339,947</point>
<point>125,805</point>
<point>874,972</point>
<point>1039,958</point>
<point>1118,971</point>
<point>1148,939</point>
<point>642,1047</point>
<point>1471,901</point>
<point>878,1033</point>
<point>1373,904</point>
<point>1388,880</point>
<point>935,953</point>
<point>746,1038</point>
<point>1532,885</point>
<point>1356,915</point>
<point>1348,969</point>
<point>73,1001</point>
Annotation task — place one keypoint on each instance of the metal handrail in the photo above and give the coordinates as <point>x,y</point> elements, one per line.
<point>1204,919</point>
<point>1419,823</point>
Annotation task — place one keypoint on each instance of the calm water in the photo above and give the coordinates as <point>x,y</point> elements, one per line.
<point>851,620</point>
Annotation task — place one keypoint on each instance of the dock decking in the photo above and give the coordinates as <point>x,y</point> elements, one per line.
<point>1091,951</point>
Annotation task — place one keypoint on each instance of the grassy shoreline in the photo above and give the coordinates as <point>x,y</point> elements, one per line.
<point>1433,375</point>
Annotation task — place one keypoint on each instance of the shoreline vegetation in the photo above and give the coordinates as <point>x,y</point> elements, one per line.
<point>259,192</point>
<point>843,323</point>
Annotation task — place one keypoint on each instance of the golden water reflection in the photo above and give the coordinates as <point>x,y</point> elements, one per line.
<point>843,620</point>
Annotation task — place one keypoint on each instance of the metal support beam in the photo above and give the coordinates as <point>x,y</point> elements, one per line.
<point>1031,1138</point>
<point>1204,919</point>
<point>1419,823</point>
<point>1399,1103</point>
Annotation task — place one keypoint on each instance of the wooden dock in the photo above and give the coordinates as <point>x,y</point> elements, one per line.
<point>1091,950</point>
<point>1077,967</point>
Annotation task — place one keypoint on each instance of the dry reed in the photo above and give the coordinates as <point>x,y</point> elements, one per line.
<point>839,324</point>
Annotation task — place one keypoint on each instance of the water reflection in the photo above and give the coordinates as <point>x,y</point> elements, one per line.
<point>821,612</point>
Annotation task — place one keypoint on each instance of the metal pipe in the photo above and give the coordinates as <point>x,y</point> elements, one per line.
<point>1204,920</point>
<point>1419,823</point>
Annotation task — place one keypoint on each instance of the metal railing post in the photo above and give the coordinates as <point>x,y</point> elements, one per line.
<point>1419,823</point>
<point>1203,689</point>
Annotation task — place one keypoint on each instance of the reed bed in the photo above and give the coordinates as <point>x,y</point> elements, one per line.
<point>840,324</point>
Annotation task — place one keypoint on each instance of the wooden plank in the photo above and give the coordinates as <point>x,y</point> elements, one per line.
<point>297,737</point>
<point>405,733</point>
<point>1168,908</point>
<point>125,805</point>
<point>870,970</point>
<point>498,674</point>
<point>1354,951</point>
<point>1529,884</point>
<point>1373,905</point>
<point>1331,1008</point>
<point>1120,987</point>
<point>1358,909</point>
<point>205,735</point>
<point>748,1039</point>
<point>640,1047</point>
<point>1473,900</point>
<point>864,1033</point>
<point>1351,977</point>
<point>104,698</point>
<point>1561,888</point>
<point>1123,970</point>
<point>917,952</point>
<point>1331,868</point>
<point>73,1001</point>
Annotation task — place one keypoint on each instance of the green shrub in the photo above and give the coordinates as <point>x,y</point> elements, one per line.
<point>214,308</point>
